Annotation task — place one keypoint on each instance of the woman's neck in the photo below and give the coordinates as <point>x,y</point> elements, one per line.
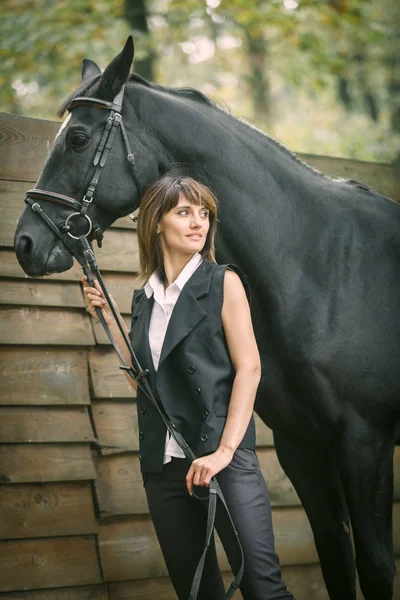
<point>173,266</point>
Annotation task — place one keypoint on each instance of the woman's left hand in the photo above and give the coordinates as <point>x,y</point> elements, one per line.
<point>203,469</point>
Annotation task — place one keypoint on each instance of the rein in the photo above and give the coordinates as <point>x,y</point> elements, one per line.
<point>87,260</point>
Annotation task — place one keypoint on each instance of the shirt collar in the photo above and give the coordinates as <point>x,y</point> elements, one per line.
<point>155,284</point>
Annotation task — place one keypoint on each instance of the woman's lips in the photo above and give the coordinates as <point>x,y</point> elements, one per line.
<point>195,236</point>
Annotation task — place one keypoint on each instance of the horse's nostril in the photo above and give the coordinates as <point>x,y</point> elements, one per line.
<point>25,245</point>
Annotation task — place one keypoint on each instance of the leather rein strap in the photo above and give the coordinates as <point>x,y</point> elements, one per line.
<point>139,376</point>
<point>88,263</point>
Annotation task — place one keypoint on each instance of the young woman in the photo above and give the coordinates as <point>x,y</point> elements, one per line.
<point>191,328</point>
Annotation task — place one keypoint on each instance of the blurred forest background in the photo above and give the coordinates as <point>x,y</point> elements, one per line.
<point>321,76</point>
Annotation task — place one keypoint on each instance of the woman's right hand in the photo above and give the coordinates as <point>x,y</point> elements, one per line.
<point>95,298</point>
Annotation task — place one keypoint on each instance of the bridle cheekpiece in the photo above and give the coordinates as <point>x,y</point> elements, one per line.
<point>80,209</point>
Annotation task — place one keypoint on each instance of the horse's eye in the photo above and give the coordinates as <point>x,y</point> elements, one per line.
<point>79,140</point>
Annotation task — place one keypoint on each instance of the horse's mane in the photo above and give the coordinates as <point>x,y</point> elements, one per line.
<point>195,95</point>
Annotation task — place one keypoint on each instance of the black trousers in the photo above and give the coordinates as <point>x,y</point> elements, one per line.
<point>180,524</point>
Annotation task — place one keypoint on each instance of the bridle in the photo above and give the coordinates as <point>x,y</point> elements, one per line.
<point>65,230</point>
<point>89,265</point>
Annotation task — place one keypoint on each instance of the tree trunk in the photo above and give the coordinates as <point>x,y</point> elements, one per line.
<point>260,90</point>
<point>135,13</point>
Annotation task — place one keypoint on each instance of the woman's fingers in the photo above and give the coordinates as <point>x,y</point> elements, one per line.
<point>197,475</point>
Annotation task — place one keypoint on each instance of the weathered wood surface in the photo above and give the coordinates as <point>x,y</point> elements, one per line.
<point>117,428</point>
<point>87,592</point>
<point>119,252</point>
<point>22,463</point>
<point>120,490</point>
<point>99,333</point>
<point>44,424</point>
<point>50,509</point>
<point>10,267</point>
<point>30,292</point>
<point>46,563</point>
<point>129,549</point>
<point>304,581</point>
<point>121,286</point>
<point>43,376</point>
<point>108,381</point>
<point>27,138</point>
<point>45,326</point>
<point>382,177</point>
<point>12,196</point>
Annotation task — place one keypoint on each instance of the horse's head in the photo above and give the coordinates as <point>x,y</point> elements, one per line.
<point>92,164</point>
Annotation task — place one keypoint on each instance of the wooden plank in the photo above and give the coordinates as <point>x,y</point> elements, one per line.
<point>120,490</point>
<point>10,267</point>
<point>121,286</point>
<point>108,381</point>
<point>46,563</point>
<point>27,138</point>
<point>125,222</point>
<point>303,582</point>
<point>130,550</point>
<point>51,509</point>
<point>264,435</point>
<point>21,463</point>
<point>12,195</point>
<point>87,592</point>
<point>119,252</point>
<point>116,426</point>
<point>382,177</point>
<point>116,422</point>
<point>30,292</point>
<point>99,333</point>
<point>119,486</point>
<point>145,589</point>
<point>45,424</point>
<point>45,326</point>
<point>43,376</point>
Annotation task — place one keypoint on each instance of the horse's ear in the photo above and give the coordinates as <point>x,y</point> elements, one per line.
<point>89,69</point>
<point>117,71</point>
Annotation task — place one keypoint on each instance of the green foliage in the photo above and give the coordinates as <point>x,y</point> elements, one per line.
<point>326,70</point>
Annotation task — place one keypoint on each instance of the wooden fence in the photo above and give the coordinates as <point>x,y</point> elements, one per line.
<point>74,523</point>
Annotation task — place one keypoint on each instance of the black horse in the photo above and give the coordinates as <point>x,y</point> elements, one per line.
<point>323,261</point>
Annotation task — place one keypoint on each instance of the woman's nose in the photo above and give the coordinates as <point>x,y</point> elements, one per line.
<point>195,222</point>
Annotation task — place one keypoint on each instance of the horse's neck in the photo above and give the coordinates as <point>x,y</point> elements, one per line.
<point>259,184</point>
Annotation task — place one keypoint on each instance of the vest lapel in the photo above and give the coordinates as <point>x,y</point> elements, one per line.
<point>140,332</point>
<point>187,312</point>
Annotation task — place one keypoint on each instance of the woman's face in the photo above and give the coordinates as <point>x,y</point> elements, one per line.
<point>184,229</point>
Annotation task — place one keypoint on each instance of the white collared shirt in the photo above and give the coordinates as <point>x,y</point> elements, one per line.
<point>164,302</point>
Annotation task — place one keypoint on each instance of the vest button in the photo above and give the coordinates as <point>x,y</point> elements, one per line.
<point>141,435</point>
<point>140,457</point>
<point>191,369</point>
<point>206,413</point>
<point>197,391</point>
<point>204,437</point>
<point>143,410</point>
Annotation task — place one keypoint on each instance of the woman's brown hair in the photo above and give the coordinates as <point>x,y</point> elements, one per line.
<point>161,197</point>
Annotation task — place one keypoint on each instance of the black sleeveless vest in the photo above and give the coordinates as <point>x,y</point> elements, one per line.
<point>195,374</point>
